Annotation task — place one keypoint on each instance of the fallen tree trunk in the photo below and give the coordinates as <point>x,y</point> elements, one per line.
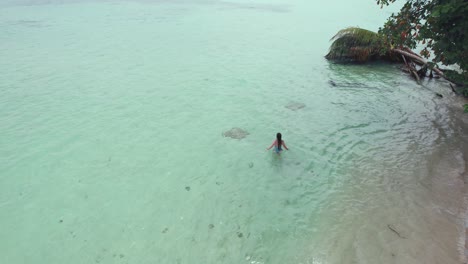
<point>359,45</point>
<point>410,55</point>
<point>411,69</point>
<point>419,59</point>
<point>404,59</point>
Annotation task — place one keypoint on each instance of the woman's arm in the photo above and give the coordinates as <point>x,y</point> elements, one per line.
<point>274,142</point>
<point>284,145</point>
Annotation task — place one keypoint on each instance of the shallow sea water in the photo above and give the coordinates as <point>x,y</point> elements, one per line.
<point>112,147</point>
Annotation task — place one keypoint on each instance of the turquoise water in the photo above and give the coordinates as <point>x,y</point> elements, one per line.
<point>112,147</point>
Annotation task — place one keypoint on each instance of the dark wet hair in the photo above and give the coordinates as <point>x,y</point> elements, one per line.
<point>278,139</point>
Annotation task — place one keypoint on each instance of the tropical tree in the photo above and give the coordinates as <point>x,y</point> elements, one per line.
<point>361,45</point>
<point>439,27</point>
<point>356,45</point>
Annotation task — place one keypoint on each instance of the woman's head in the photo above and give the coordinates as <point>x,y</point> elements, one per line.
<point>278,138</point>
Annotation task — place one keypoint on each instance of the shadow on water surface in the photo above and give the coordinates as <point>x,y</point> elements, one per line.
<point>276,160</point>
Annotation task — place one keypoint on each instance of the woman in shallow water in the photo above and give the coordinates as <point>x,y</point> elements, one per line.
<point>278,144</point>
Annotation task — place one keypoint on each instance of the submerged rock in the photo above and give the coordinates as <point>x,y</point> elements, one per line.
<point>295,106</point>
<point>236,133</point>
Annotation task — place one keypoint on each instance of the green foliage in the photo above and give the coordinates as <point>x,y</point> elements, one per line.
<point>456,77</point>
<point>356,45</point>
<point>466,108</point>
<point>439,26</point>
<point>459,79</point>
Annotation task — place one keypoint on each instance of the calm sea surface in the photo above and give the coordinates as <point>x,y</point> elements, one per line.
<point>112,116</point>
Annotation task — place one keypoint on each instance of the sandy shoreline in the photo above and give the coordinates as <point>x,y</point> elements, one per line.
<point>462,120</point>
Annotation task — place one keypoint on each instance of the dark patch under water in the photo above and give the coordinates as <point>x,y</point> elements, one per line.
<point>236,133</point>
